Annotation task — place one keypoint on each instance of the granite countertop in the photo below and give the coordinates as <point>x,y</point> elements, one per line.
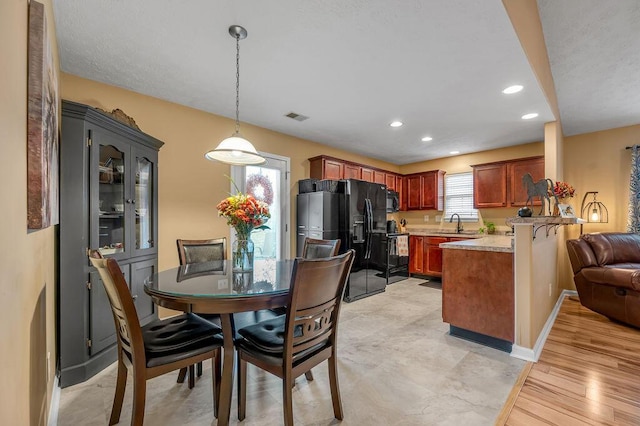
<point>497,243</point>
<point>438,232</point>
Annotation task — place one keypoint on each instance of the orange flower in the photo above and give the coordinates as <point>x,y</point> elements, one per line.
<point>244,213</point>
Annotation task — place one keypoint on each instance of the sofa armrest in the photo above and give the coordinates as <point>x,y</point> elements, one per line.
<point>615,277</point>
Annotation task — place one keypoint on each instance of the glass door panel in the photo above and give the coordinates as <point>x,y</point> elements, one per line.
<point>144,203</point>
<point>111,202</point>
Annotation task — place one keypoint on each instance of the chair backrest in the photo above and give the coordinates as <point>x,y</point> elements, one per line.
<point>198,251</point>
<point>315,294</point>
<point>316,249</point>
<point>124,312</point>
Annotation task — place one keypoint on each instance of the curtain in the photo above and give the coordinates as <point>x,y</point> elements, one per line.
<point>633,218</point>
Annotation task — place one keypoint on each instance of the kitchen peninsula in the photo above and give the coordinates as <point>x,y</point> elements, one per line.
<point>478,290</point>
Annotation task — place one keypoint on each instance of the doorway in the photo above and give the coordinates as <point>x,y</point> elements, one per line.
<point>268,182</point>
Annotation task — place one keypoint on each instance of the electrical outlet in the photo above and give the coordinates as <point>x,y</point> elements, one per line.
<point>550,289</point>
<point>438,218</point>
<point>48,367</point>
<point>426,218</point>
<point>223,283</point>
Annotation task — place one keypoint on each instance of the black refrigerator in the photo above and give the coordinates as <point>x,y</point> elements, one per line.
<point>317,217</point>
<point>363,227</point>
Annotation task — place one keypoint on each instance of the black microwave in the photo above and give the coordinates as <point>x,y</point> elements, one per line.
<point>393,201</point>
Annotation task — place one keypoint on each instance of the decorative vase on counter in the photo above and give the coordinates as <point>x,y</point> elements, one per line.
<point>242,255</point>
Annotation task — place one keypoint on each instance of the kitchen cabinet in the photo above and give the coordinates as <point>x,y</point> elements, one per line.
<point>401,189</point>
<point>425,191</point>
<point>425,254</point>
<point>499,184</point>
<point>326,168</point>
<point>108,202</point>
<point>416,251</point>
<point>515,170</point>
<point>352,171</point>
<point>390,181</point>
<point>379,177</point>
<point>367,174</point>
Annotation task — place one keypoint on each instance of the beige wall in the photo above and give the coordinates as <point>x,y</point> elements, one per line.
<point>190,185</point>
<point>27,259</point>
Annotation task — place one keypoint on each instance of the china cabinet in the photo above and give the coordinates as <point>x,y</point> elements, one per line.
<point>108,202</point>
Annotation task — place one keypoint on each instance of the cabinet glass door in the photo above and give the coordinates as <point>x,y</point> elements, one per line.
<point>111,202</point>
<point>144,203</point>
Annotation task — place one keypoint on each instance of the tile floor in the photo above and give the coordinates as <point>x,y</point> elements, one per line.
<point>397,366</point>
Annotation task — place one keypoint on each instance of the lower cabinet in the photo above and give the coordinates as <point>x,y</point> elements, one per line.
<point>425,254</point>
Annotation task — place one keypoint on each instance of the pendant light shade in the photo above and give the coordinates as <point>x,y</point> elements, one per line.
<point>235,149</point>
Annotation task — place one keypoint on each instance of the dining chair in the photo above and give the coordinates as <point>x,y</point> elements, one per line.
<point>290,345</point>
<point>314,248</point>
<point>156,348</point>
<point>193,252</point>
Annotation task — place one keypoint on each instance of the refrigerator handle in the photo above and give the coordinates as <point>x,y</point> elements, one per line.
<point>369,227</point>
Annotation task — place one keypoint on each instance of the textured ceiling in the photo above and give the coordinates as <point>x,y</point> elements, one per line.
<point>352,67</point>
<point>594,52</point>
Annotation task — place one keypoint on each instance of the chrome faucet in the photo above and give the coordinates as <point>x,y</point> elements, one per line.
<point>459,226</point>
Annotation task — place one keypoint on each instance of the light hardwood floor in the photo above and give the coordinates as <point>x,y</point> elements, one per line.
<point>588,373</point>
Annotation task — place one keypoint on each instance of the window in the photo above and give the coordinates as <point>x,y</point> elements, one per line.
<point>459,197</point>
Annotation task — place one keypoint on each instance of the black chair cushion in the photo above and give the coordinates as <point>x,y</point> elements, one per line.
<point>246,319</point>
<point>179,337</point>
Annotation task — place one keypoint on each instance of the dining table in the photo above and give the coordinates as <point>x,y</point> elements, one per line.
<point>216,288</point>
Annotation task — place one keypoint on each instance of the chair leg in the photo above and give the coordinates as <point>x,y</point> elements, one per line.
<point>215,360</point>
<point>192,376</point>
<point>217,371</point>
<point>242,388</point>
<point>335,388</point>
<point>287,398</point>
<point>309,376</point>
<point>182,374</point>
<point>121,384</point>
<point>139,396</point>
<point>199,369</point>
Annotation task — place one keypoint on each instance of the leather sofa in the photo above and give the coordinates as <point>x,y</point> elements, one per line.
<point>606,268</point>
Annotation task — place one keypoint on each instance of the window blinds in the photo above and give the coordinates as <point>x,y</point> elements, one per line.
<point>459,197</point>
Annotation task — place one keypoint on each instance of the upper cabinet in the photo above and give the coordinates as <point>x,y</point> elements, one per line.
<point>425,191</point>
<point>326,168</point>
<point>499,184</point>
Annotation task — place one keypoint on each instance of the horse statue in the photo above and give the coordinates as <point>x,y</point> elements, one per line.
<point>541,189</point>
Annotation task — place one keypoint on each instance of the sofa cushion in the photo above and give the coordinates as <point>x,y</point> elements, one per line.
<point>615,247</point>
<point>614,277</point>
<point>581,255</point>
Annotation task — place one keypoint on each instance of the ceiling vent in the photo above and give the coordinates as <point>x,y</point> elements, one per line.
<point>297,117</point>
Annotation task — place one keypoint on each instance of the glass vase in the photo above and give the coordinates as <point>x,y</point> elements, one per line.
<point>242,255</point>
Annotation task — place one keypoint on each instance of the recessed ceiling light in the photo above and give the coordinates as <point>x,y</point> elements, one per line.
<point>512,89</point>
<point>454,152</point>
<point>530,116</point>
<point>396,123</point>
<point>427,139</point>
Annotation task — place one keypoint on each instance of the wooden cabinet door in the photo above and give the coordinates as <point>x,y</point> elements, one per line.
<point>432,193</point>
<point>490,185</point>
<point>352,171</point>
<point>517,169</point>
<point>379,177</point>
<point>433,256</point>
<point>333,170</point>
<point>416,254</point>
<point>414,188</point>
<point>366,174</point>
<point>401,188</point>
<point>391,182</point>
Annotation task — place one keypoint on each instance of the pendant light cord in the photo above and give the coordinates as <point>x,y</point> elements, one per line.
<point>237,84</point>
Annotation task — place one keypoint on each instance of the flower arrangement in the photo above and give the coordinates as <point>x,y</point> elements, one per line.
<point>244,213</point>
<point>563,190</point>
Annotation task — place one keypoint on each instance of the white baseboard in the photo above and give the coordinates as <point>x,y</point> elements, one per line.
<point>55,403</point>
<point>533,354</point>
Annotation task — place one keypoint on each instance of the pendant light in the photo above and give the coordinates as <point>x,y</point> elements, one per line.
<point>236,149</point>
